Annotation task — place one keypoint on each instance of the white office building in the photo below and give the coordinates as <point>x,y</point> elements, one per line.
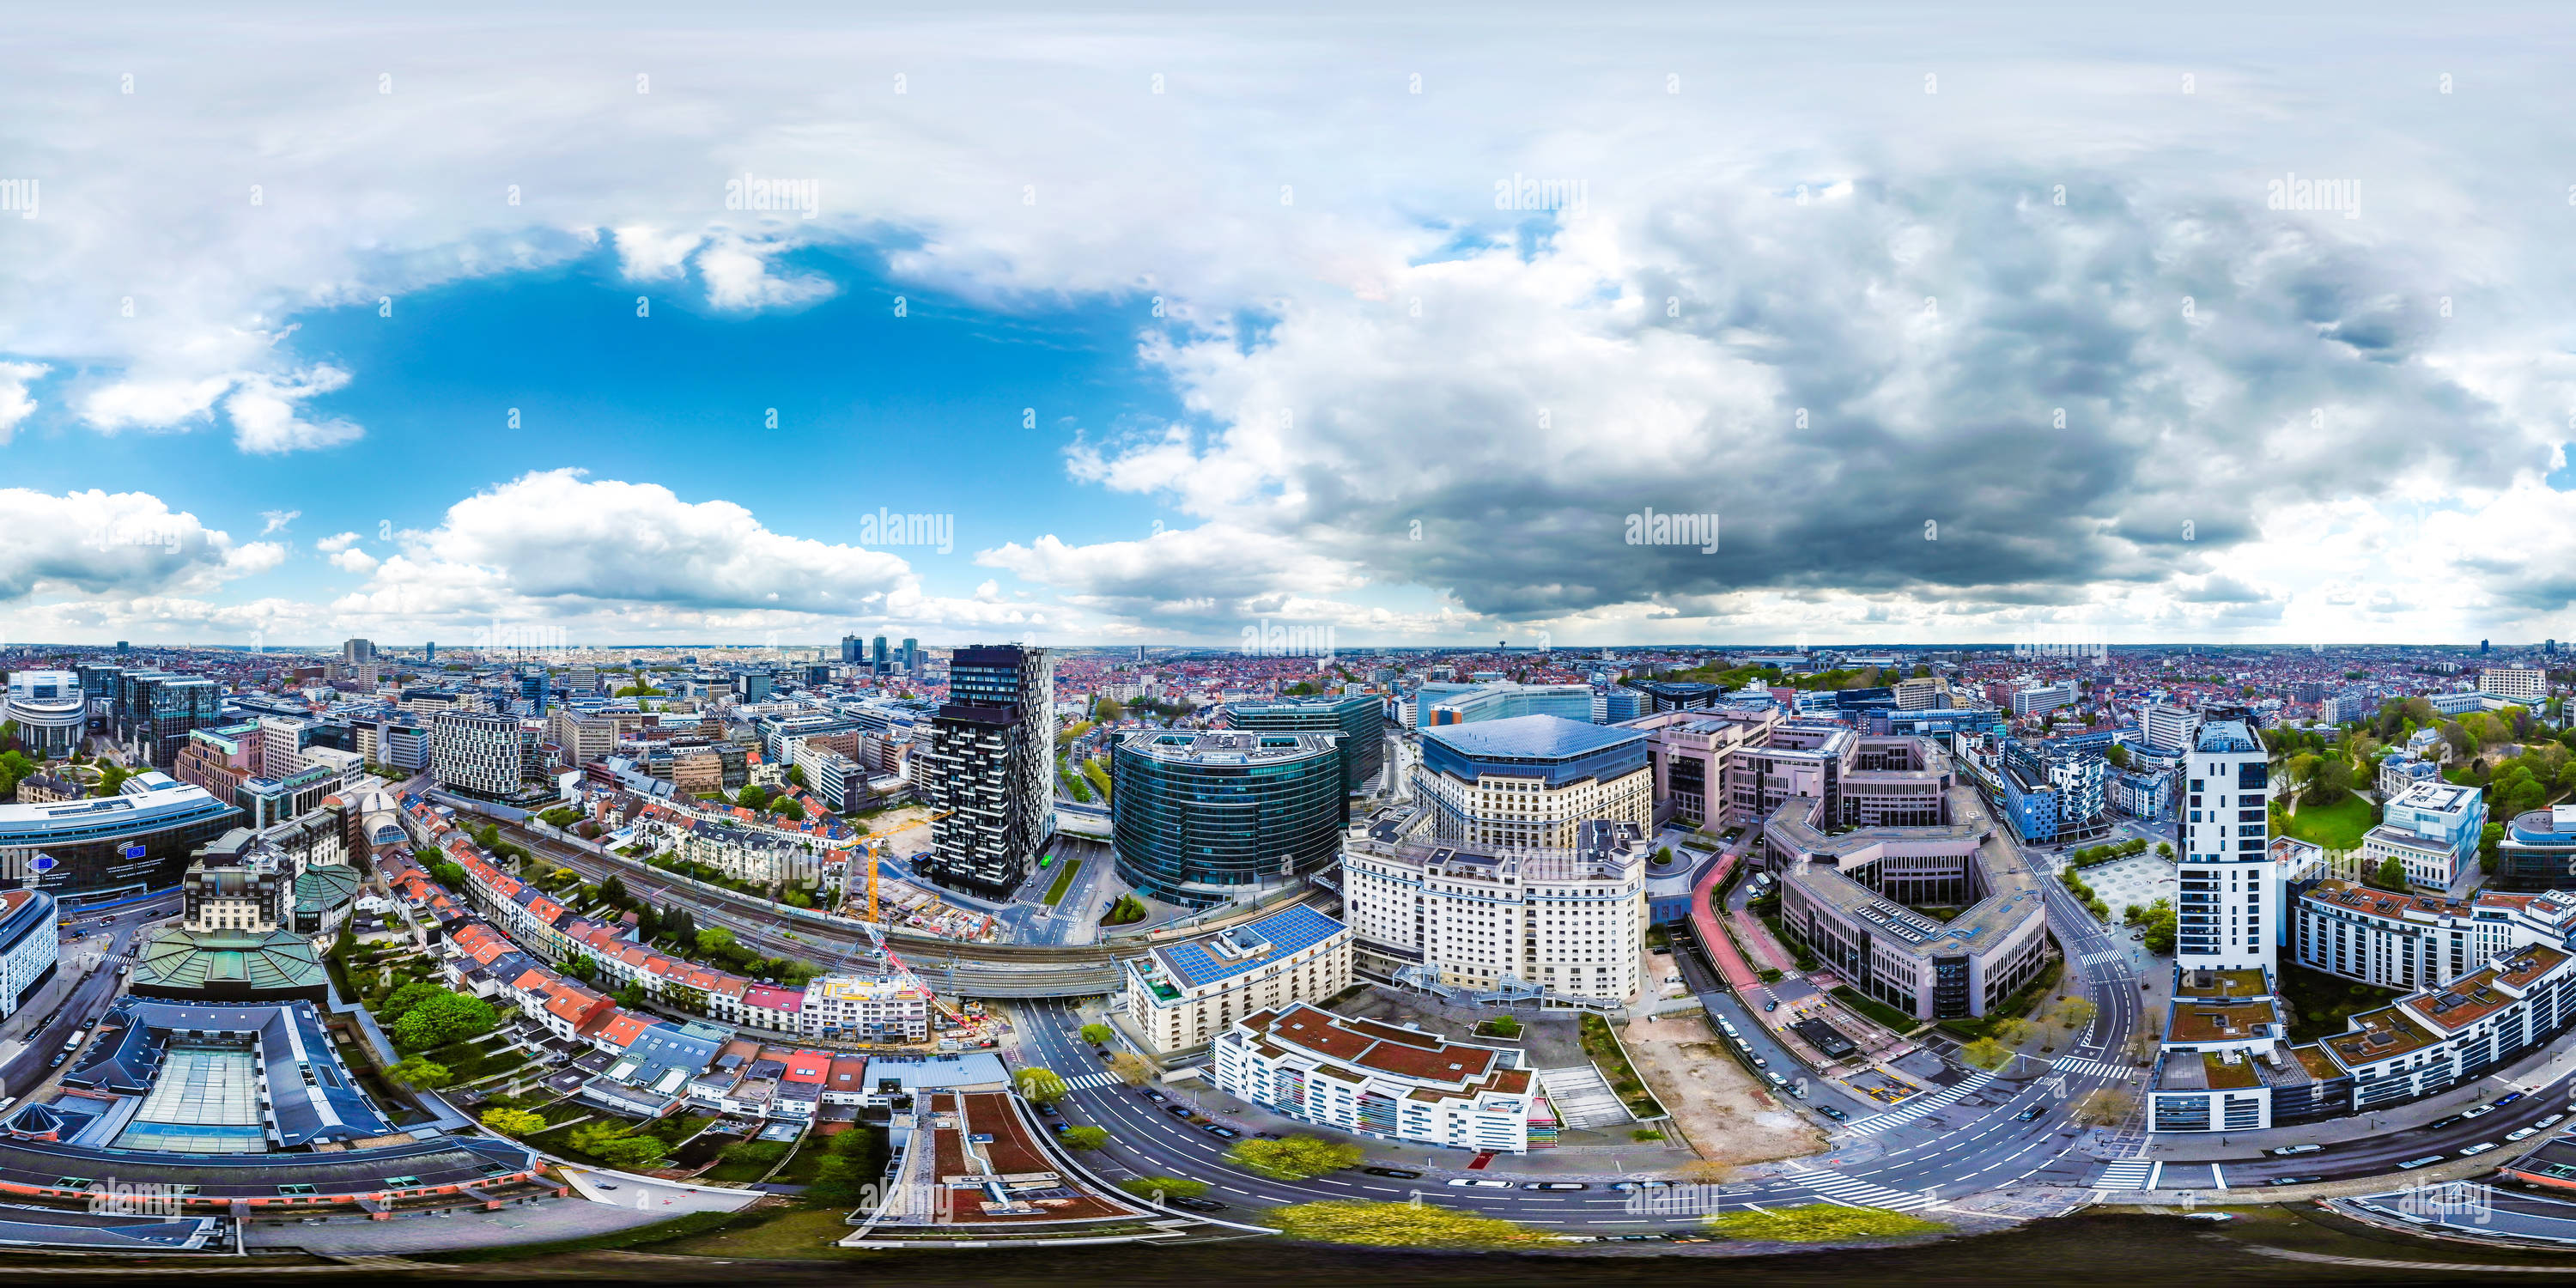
<point>1181,996</point>
<point>2169,728</point>
<point>2411,941</point>
<point>2525,684</point>
<point>2042,698</point>
<point>1374,1079</point>
<point>2228,903</point>
<point>49,710</point>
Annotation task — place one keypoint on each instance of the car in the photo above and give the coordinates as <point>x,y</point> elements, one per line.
<point>1770,1006</point>
<point>1100,1055</point>
<point>2212,1218</point>
<point>1726,1027</point>
<point>1776,1079</point>
<point>2294,1180</point>
<point>1213,1129</point>
<point>2550,1121</point>
<point>2439,1123</point>
<point>2034,1111</point>
<point>1759,1062</point>
<point>606,1186</point>
<point>2286,1150</point>
<point>1396,1173</point>
<point>1265,1135</point>
<point>1177,1111</point>
<point>2479,1148</point>
<point>2523,1134</point>
<point>1047,1110</point>
<point>1631,1187</point>
<point>2508,1098</point>
<point>1158,1097</point>
<point>1197,1205</point>
<point>1830,1112</point>
<point>2138,935</point>
<point>2481,1111</point>
<point>1636,1238</point>
<point>1479,1182</point>
<point>2426,1161</point>
<point>1554,1185</point>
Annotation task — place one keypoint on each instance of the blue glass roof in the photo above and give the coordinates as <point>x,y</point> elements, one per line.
<point>1288,933</point>
<point>1531,737</point>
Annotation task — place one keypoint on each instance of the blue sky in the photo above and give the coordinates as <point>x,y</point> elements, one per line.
<point>1981,325</point>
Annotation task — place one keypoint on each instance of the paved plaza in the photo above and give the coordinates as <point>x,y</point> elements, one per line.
<point>2140,879</point>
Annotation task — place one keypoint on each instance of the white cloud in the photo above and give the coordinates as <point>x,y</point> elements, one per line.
<point>646,255</point>
<point>276,520</point>
<point>357,561</point>
<point>15,403</point>
<point>115,545</point>
<point>738,276</point>
<point>264,413</point>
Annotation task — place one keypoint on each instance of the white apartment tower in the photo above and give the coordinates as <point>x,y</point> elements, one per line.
<point>2228,907</point>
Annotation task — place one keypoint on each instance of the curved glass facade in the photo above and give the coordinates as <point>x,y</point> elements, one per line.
<point>1194,814</point>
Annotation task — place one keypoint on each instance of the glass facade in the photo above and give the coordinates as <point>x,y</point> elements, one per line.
<point>1195,814</point>
<point>1359,718</point>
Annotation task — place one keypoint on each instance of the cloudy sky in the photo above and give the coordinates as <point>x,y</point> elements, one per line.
<point>1161,325</point>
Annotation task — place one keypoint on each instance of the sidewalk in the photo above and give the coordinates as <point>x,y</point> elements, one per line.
<point>2541,1070</point>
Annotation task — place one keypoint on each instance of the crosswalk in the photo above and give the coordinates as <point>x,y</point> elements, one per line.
<point>2103,956</point>
<point>1857,1193</point>
<point>2126,1174</point>
<point>1921,1106</point>
<point>2082,1067</point>
<point>1089,1080</point>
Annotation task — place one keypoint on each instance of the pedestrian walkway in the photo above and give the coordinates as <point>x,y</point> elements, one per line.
<point>2126,1174</point>
<point>1090,1080</point>
<point>1934,1104</point>
<point>2094,1068</point>
<point>1857,1193</point>
<point>2103,956</point>
<point>1583,1097</point>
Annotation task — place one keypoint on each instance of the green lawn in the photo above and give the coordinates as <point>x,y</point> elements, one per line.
<point>1063,878</point>
<point>2337,827</point>
<point>1887,1016</point>
<point>2318,1003</point>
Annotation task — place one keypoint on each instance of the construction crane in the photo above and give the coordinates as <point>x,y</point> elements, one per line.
<point>894,966</point>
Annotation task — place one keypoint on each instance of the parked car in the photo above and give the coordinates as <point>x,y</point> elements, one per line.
<point>1830,1112</point>
<point>2524,1134</point>
<point>2426,1161</point>
<point>2479,1148</point>
<point>2550,1121</point>
<point>1479,1182</point>
<point>1214,1130</point>
<point>2286,1150</point>
<point>2294,1180</point>
<point>2481,1111</point>
<point>1554,1185</point>
<point>1770,1006</point>
<point>2439,1123</point>
<point>2508,1098</point>
<point>1397,1173</point>
<point>1177,1111</point>
<point>1046,1110</point>
<point>1776,1079</point>
<point>1631,1187</point>
<point>1158,1097</point>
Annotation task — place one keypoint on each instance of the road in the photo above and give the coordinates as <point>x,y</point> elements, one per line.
<point>90,996</point>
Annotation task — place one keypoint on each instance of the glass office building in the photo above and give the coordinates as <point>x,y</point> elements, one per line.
<point>141,837</point>
<point>1199,818</point>
<point>1359,718</point>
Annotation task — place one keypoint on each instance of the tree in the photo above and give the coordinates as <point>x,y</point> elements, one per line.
<point>1083,1137</point>
<point>613,891</point>
<point>513,1122</point>
<point>449,874</point>
<point>631,1151</point>
<point>792,810</point>
<point>1294,1158</point>
<point>2074,1014</point>
<point>1040,1085</point>
<point>1096,1034</point>
<point>1130,1068</point>
<point>2164,850</point>
<point>405,998</point>
<point>1109,710</point>
<point>2104,1107</point>
<point>447,1017</point>
<point>2118,756</point>
<point>1399,1225</point>
<point>715,941</point>
<point>2160,927</point>
<point>420,1072</point>
<point>1985,1053</point>
<point>2391,874</point>
<point>796,775</point>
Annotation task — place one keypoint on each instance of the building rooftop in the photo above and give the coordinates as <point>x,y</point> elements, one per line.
<point>1530,737</point>
<point>1238,950</point>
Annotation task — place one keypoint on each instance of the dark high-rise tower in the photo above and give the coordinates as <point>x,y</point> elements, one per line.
<point>990,771</point>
